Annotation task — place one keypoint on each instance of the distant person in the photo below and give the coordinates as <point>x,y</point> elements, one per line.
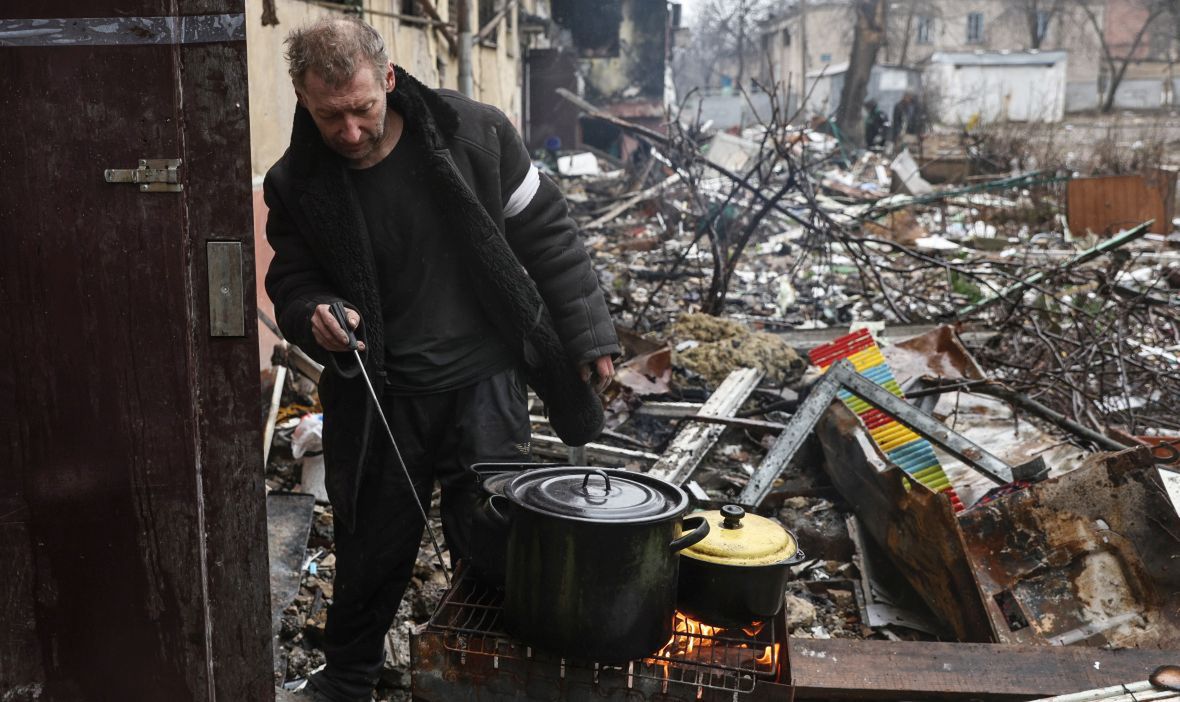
<point>876,125</point>
<point>909,122</point>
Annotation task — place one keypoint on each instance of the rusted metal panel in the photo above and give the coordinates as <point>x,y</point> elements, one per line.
<point>915,526</point>
<point>1108,204</point>
<point>129,441</point>
<point>1092,556</point>
<point>828,669</point>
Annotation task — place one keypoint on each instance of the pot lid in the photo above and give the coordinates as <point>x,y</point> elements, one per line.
<point>495,483</point>
<point>740,539</point>
<point>597,495</point>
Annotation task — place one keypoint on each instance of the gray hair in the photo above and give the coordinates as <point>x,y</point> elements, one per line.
<point>332,47</point>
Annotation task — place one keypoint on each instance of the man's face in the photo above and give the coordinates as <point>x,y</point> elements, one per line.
<point>350,117</point>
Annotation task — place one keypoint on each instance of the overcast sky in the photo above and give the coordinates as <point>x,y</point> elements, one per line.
<point>688,7</point>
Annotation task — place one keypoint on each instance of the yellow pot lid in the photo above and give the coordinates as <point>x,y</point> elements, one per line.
<point>740,539</point>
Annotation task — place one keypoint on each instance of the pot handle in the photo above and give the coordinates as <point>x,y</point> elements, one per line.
<point>799,557</point>
<point>693,537</point>
<point>599,472</point>
<point>497,516</point>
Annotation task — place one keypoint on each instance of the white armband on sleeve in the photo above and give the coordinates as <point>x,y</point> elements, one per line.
<point>524,193</point>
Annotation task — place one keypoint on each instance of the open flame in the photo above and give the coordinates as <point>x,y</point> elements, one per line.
<point>690,638</point>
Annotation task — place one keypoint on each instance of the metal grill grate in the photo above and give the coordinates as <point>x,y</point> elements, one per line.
<point>469,620</point>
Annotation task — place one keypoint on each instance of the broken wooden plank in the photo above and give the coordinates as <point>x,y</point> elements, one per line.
<point>489,27</point>
<point>670,409</point>
<point>886,670</point>
<point>633,200</point>
<point>272,413</point>
<point>691,444</point>
<point>440,26</point>
<point>297,360</point>
<point>788,442</point>
<point>596,454</point>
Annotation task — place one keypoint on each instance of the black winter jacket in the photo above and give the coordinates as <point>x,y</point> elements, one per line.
<point>502,214</point>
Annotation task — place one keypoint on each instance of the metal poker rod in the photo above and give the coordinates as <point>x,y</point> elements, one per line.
<point>341,315</point>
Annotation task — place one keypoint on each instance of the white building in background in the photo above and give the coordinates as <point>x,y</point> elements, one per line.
<point>811,41</point>
<point>886,85</point>
<point>1026,86</point>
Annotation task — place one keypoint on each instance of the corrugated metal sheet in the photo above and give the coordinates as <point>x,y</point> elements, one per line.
<point>1108,204</point>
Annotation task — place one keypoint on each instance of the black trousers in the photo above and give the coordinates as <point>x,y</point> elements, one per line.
<point>440,436</point>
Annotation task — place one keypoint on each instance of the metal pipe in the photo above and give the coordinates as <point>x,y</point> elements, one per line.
<point>466,83</point>
<point>1083,257</point>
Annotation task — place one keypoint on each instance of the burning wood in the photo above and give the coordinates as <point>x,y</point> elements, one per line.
<point>744,650</point>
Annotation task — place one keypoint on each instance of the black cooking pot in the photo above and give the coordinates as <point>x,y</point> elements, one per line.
<point>739,572</point>
<point>489,533</point>
<point>592,561</point>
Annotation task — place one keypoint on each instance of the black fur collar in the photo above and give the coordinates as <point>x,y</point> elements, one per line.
<point>428,117</point>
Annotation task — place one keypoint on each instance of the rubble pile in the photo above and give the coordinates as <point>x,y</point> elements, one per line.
<point>786,230</point>
<point>727,257</point>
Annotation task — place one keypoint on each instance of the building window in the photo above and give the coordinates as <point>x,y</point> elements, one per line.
<point>487,10</point>
<point>410,7</point>
<point>786,37</point>
<point>1042,26</point>
<point>925,29</point>
<point>975,28</point>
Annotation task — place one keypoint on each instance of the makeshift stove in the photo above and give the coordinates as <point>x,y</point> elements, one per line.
<point>463,653</point>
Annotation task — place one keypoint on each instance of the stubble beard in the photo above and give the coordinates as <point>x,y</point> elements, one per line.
<point>373,142</point>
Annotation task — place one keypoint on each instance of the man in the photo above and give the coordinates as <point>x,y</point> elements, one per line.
<point>876,124</point>
<point>417,209</point>
<point>909,123</point>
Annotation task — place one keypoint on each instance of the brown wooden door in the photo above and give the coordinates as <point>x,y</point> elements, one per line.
<point>132,520</point>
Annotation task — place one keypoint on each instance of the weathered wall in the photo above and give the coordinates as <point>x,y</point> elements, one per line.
<point>640,60</point>
<point>995,91</point>
<point>829,39</point>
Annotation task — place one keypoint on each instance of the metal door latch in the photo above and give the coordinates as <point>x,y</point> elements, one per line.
<point>154,175</point>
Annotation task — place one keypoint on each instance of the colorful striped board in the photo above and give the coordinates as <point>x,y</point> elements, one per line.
<point>906,449</point>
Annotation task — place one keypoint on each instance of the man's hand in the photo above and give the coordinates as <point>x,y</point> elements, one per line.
<point>328,333</point>
<point>601,370</point>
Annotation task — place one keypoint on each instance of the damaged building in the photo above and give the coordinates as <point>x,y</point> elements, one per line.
<point>614,54</point>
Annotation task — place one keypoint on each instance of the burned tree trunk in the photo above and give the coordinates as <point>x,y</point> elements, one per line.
<point>869,38</point>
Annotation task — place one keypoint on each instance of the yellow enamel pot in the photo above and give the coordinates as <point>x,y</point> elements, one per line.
<point>738,573</point>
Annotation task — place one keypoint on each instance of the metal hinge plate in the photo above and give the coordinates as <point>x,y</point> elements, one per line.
<point>154,175</point>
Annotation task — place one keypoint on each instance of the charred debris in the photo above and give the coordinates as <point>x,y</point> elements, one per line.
<point>1018,481</point>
